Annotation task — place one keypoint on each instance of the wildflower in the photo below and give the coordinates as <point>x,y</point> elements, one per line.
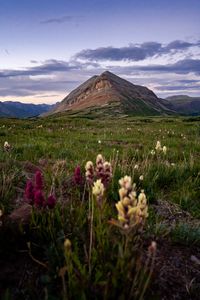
<point>153,247</point>
<point>172,164</point>
<point>153,152</point>
<point>29,192</point>
<point>164,149</point>
<point>126,182</point>
<point>38,180</point>
<point>99,166</point>
<point>89,167</point>
<point>51,202</point>
<point>142,204</point>
<point>107,174</point>
<point>141,178</point>
<point>131,211</point>
<point>98,189</point>
<point>158,146</point>
<point>67,245</point>
<point>39,200</point>
<point>99,141</point>
<point>136,167</point>
<point>77,176</point>
<point>103,171</point>
<point>7,147</point>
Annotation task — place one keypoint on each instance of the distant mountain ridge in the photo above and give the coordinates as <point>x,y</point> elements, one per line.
<point>184,104</point>
<point>16,109</point>
<point>114,95</point>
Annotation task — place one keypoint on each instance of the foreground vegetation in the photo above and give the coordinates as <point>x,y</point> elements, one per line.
<point>75,241</point>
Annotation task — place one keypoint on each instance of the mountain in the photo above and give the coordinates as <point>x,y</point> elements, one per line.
<point>22,110</point>
<point>113,95</point>
<point>184,104</point>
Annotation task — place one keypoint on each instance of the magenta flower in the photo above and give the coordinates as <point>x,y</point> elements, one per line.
<point>29,192</point>
<point>39,200</point>
<point>38,180</point>
<point>77,176</point>
<point>51,202</point>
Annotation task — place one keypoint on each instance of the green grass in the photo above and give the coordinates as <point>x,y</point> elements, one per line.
<point>57,145</point>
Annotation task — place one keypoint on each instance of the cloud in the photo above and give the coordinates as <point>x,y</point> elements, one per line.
<point>53,76</point>
<point>33,61</point>
<point>28,87</point>
<point>183,66</point>
<point>176,88</point>
<point>62,19</point>
<point>134,52</point>
<point>180,45</point>
<point>47,67</point>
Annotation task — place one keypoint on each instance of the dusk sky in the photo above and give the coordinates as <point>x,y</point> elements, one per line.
<point>49,47</point>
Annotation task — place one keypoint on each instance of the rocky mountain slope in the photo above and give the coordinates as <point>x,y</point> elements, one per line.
<point>113,94</point>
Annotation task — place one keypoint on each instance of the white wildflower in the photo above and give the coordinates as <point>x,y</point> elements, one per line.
<point>158,146</point>
<point>7,146</point>
<point>98,188</point>
<point>164,149</point>
<point>126,182</point>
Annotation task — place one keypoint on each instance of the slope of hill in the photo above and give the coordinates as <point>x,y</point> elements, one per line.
<point>114,95</point>
<point>185,104</point>
<point>22,110</point>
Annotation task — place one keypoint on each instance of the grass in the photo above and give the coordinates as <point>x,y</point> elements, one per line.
<point>117,266</point>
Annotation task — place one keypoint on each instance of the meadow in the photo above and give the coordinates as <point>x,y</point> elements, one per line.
<point>80,244</point>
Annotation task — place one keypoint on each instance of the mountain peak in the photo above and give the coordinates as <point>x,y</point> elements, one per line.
<point>107,73</point>
<point>113,92</point>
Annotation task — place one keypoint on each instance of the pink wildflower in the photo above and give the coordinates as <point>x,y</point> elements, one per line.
<point>77,176</point>
<point>51,202</point>
<point>38,180</point>
<point>39,200</point>
<point>29,192</point>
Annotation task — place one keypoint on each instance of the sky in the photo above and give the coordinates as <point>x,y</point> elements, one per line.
<point>49,47</point>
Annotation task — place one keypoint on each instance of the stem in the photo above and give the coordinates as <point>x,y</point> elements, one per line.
<point>64,288</point>
<point>91,234</point>
<point>148,278</point>
<point>34,259</point>
<point>83,196</point>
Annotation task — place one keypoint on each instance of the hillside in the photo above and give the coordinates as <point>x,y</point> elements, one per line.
<point>185,104</point>
<point>22,110</point>
<point>113,95</point>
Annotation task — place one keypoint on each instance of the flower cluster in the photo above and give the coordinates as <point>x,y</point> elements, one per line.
<point>98,190</point>
<point>7,147</point>
<point>89,172</point>
<point>132,210</point>
<point>34,194</point>
<point>159,148</point>
<point>102,170</point>
<point>77,178</point>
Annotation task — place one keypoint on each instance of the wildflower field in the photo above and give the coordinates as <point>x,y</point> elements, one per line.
<point>100,208</point>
